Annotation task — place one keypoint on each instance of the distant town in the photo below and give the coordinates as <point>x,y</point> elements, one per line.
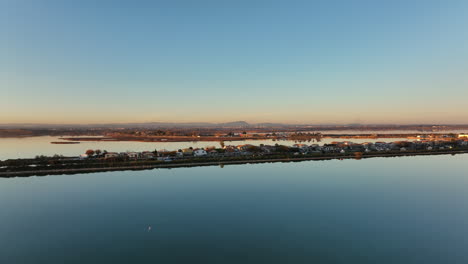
<point>424,142</point>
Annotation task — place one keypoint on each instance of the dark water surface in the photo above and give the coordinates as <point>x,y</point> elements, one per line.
<point>382,210</point>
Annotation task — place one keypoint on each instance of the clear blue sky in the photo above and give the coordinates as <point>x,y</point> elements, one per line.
<point>260,61</point>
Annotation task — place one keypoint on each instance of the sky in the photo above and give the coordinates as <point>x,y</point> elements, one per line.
<point>316,62</point>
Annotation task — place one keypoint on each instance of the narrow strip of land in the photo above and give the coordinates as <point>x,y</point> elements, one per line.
<point>25,173</point>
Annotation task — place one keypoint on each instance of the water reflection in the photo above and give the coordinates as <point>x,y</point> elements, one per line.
<point>382,210</point>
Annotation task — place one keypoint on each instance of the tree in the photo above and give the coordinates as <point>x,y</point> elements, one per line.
<point>90,152</point>
<point>98,152</point>
<point>281,148</point>
<point>254,149</point>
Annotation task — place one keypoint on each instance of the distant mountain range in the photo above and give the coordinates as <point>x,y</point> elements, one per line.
<point>153,125</point>
<point>235,124</point>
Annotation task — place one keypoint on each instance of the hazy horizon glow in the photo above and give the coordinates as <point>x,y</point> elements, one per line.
<point>218,61</point>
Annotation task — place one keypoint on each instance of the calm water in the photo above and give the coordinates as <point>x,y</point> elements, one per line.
<point>382,210</point>
<point>13,148</point>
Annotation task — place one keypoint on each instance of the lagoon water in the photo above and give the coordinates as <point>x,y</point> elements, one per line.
<point>380,210</point>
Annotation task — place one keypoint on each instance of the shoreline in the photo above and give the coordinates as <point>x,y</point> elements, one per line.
<point>216,163</point>
<point>158,139</point>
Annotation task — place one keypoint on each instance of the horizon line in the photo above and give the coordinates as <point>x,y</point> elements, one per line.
<point>231,122</point>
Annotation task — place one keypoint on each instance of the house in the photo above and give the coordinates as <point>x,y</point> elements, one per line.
<point>163,152</point>
<point>147,155</point>
<point>199,153</point>
<point>303,148</point>
<point>231,151</point>
<point>356,147</point>
<point>329,147</point>
<point>267,149</point>
<point>462,135</point>
<point>133,155</point>
<point>84,156</point>
<point>315,148</point>
<point>110,155</point>
<point>244,147</point>
<point>187,151</point>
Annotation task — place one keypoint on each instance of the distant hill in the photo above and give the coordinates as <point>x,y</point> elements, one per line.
<point>151,125</point>
<point>234,124</point>
<point>270,125</point>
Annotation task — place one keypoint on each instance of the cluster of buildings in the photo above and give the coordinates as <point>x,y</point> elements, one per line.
<point>297,149</point>
<point>345,147</point>
<point>151,155</point>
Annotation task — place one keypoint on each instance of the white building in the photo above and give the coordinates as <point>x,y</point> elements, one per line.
<point>199,153</point>
<point>133,155</point>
